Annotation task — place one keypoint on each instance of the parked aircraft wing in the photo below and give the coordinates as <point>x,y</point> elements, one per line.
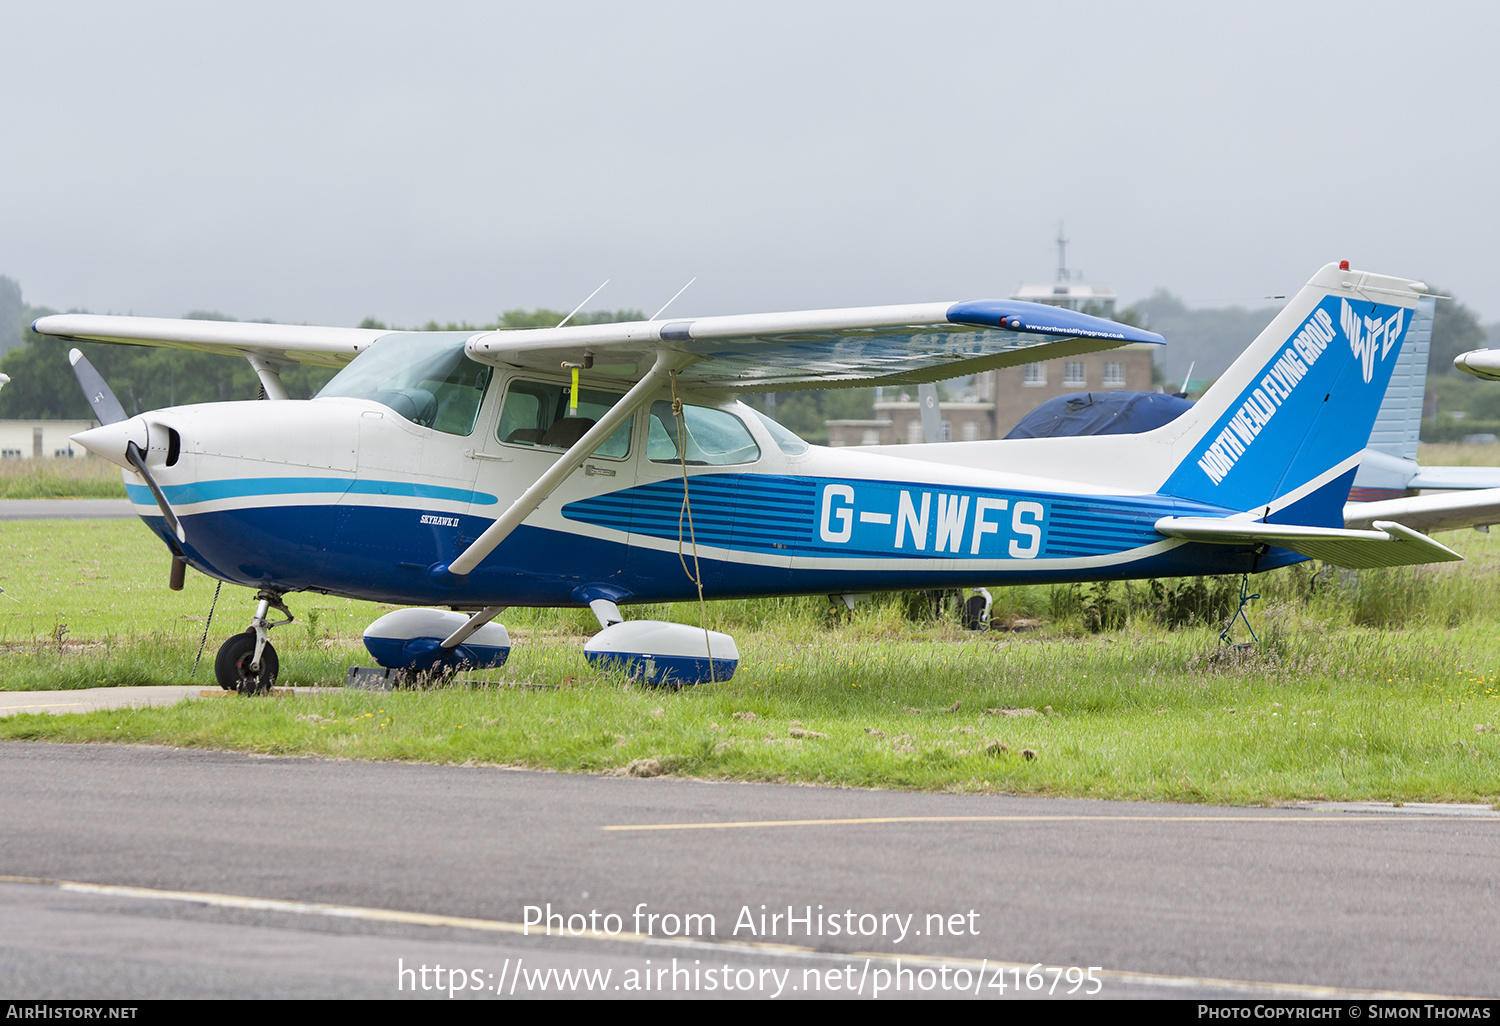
<point>1482,363</point>
<point>277,343</point>
<point>821,348</point>
<point>1388,544</point>
<point>1444,511</point>
<point>749,352</point>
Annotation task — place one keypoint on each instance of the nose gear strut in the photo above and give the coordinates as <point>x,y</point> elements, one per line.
<point>247,662</point>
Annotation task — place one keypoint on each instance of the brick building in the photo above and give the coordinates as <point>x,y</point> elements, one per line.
<point>998,399</point>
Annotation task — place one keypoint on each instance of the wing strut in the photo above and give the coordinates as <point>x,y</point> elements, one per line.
<point>667,361</point>
<point>269,372</point>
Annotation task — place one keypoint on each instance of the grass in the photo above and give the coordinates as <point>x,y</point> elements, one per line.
<point>84,477</point>
<point>1373,686</point>
<point>1458,454</point>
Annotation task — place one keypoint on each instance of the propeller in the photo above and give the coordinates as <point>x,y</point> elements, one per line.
<point>107,410</point>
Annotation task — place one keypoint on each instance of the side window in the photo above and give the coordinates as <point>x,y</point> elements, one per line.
<point>713,438</point>
<point>537,414</point>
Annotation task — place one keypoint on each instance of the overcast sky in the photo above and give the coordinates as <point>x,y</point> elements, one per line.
<point>319,162</point>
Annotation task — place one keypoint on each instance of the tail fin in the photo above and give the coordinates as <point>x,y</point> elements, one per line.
<point>1281,431</point>
<point>1399,422</point>
<point>1388,465</point>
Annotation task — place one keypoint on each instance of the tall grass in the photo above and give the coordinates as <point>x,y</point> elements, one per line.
<point>84,477</point>
<point>1379,684</point>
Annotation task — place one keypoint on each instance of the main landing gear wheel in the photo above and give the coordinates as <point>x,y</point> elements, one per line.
<point>232,666</point>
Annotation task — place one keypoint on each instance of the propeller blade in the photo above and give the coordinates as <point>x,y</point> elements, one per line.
<point>133,454</point>
<point>107,409</point>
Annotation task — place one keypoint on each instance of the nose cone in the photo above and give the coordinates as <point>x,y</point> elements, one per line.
<point>109,440</point>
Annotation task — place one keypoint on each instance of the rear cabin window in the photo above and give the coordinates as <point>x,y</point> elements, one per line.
<point>788,442</point>
<point>537,414</point>
<point>714,438</point>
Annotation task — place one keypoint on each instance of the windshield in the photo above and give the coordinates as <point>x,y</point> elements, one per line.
<point>425,378</point>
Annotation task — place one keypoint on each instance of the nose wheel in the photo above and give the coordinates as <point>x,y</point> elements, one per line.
<point>247,662</point>
<point>236,668</point>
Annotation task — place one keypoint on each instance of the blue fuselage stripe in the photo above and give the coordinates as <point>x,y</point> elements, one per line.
<point>248,487</point>
<point>384,552</point>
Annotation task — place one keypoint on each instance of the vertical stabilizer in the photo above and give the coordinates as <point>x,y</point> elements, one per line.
<point>1399,422</point>
<point>1281,431</point>
<point>1389,463</point>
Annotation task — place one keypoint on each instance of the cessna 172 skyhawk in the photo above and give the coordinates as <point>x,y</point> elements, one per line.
<point>476,471</point>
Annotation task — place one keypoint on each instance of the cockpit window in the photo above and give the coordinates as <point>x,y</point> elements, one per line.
<point>785,440</point>
<point>425,378</point>
<point>714,438</point>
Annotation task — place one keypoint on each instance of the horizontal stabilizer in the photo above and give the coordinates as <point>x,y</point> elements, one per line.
<point>1446,511</point>
<point>1389,544</point>
<point>1457,478</point>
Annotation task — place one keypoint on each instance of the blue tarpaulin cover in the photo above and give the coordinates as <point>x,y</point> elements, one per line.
<point>1100,413</point>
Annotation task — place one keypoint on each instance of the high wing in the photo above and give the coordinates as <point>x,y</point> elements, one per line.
<point>822,348</point>
<point>1445,511</point>
<point>278,343</point>
<point>1388,544</point>
<point>751,352</point>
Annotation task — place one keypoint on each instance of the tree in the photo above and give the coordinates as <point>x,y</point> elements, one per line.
<point>12,312</point>
<point>1455,329</point>
<point>145,378</point>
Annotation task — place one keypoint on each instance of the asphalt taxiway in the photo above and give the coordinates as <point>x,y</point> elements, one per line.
<point>143,872</point>
<point>66,509</point>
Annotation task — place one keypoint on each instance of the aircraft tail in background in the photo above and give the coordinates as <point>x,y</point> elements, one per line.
<point>1388,468</point>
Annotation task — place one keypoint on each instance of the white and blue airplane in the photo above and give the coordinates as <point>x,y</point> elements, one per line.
<point>610,464</point>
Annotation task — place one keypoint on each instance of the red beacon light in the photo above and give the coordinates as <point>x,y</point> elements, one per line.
<point>1343,265</point>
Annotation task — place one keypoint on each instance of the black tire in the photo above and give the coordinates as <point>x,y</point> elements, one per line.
<point>975,617</point>
<point>232,665</point>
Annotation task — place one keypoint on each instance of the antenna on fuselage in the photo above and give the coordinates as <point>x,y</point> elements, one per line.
<point>1187,381</point>
<point>591,295</point>
<point>673,299</point>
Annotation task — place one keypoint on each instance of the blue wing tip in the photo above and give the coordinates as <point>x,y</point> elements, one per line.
<point>1041,319</point>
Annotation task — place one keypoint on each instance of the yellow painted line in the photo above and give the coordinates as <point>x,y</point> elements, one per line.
<point>48,705</point>
<point>1301,990</point>
<point>1342,817</point>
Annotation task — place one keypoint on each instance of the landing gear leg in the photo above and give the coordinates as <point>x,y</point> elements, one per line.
<point>247,662</point>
